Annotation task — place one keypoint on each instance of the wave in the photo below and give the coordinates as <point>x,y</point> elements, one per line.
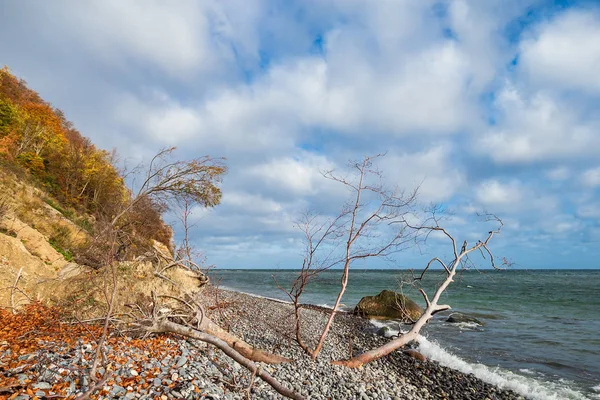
<point>254,295</point>
<point>468,326</point>
<point>393,327</point>
<point>525,386</point>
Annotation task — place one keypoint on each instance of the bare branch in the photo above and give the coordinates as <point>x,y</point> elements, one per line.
<point>432,304</point>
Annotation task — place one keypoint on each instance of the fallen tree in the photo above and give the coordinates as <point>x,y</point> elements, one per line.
<point>164,182</point>
<point>194,324</point>
<point>460,259</point>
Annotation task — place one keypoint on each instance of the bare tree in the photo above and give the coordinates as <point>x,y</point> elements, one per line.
<point>363,229</point>
<point>185,253</point>
<point>193,182</point>
<point>166,180</point>
<point>460,259</point>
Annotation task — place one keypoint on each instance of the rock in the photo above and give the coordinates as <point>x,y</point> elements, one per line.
<point>458,318</point>
<point>388,305</point>
<point>117,389</point>
<point>181,361</point>
<point>42,385</point>
<point>387,332</point>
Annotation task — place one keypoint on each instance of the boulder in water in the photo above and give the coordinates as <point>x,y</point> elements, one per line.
<point>389,305</point>
<point>459,318</point>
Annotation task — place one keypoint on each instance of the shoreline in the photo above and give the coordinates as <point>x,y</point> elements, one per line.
<point>268,324</point>
<point>509,347</point>
<point>54,362</point>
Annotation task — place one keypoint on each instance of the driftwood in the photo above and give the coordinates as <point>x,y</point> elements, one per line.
<point>196,325</point>
<point>165,326</point>
<point>460,256</point>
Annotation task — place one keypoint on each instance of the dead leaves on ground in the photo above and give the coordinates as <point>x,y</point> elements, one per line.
<point>38,328</point>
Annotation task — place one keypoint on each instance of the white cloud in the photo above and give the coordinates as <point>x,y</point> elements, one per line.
<point>565,52</point>
<point>160,118</point>
<point>495,193</point>
<point>537,127</point>
<point>591,177</point>
<point>250,203</point>
<point>296,176</point>
<point>559,173</point>
<point>591,210</point>
<point>561,225</point>
<point>432,170</point>
<point>177,38</point>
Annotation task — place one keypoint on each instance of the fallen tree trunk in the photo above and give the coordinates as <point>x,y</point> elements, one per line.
<point>432,305</point>
<point>209,327</point>
<point>165,326</point>
<point>406,338</point>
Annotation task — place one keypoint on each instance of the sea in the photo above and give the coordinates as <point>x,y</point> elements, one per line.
<point>539,333</point>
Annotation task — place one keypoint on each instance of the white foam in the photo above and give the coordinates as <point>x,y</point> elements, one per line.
<point>527,371</point>
<point>596,388</point>
<point>468,325</point>
<point>526,386</point>
<point>394,326</point>
<point>255,295</point>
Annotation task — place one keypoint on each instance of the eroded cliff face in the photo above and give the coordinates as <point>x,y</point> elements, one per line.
<point>31,250</point>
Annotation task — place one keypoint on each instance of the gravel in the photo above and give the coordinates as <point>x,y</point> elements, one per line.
<point>193,370</point>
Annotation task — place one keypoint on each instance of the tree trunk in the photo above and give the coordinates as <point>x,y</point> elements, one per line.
<point>432,308</point>
<point>233,352</point>
<point>208,326</point>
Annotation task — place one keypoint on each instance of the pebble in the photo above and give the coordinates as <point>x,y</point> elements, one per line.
<point>181,361</point>
<point>398,376</point>
<point>42,385</point>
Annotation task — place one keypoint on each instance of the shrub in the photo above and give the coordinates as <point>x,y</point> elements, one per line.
<point>61,241</point>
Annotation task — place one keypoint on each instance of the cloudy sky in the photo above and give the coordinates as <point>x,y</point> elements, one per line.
<point>486,104</point>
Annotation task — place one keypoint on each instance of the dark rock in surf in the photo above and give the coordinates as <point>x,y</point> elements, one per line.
<point>388,305</point>
<point>385,331</point>
<point>459,318</point>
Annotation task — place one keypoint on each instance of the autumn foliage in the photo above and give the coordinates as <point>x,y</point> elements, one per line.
<point>38,328</point>
<point>37,139</point>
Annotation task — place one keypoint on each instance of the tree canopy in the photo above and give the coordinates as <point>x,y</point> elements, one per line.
<point>38,138</point>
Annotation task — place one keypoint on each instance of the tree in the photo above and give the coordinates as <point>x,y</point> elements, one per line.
<point>193,183</point>
<point>366,227</point>
<point>460,259</point>
<point>166,180</point>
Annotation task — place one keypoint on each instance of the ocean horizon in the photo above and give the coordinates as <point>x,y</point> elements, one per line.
<point>538,332</point>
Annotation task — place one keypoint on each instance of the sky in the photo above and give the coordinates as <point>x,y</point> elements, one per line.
<point>485,105</point>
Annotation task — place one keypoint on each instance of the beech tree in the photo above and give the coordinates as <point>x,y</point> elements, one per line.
<point>166,180</point>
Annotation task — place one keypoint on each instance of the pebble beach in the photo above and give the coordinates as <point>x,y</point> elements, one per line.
<point>43,363</point>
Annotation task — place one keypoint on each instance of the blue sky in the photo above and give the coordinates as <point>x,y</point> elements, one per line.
<point>487,104</point>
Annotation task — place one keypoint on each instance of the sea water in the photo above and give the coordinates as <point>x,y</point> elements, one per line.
<point>539,332</point>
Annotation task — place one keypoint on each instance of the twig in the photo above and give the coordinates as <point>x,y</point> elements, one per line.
<point>91,390</point>
<point>12,292</point>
